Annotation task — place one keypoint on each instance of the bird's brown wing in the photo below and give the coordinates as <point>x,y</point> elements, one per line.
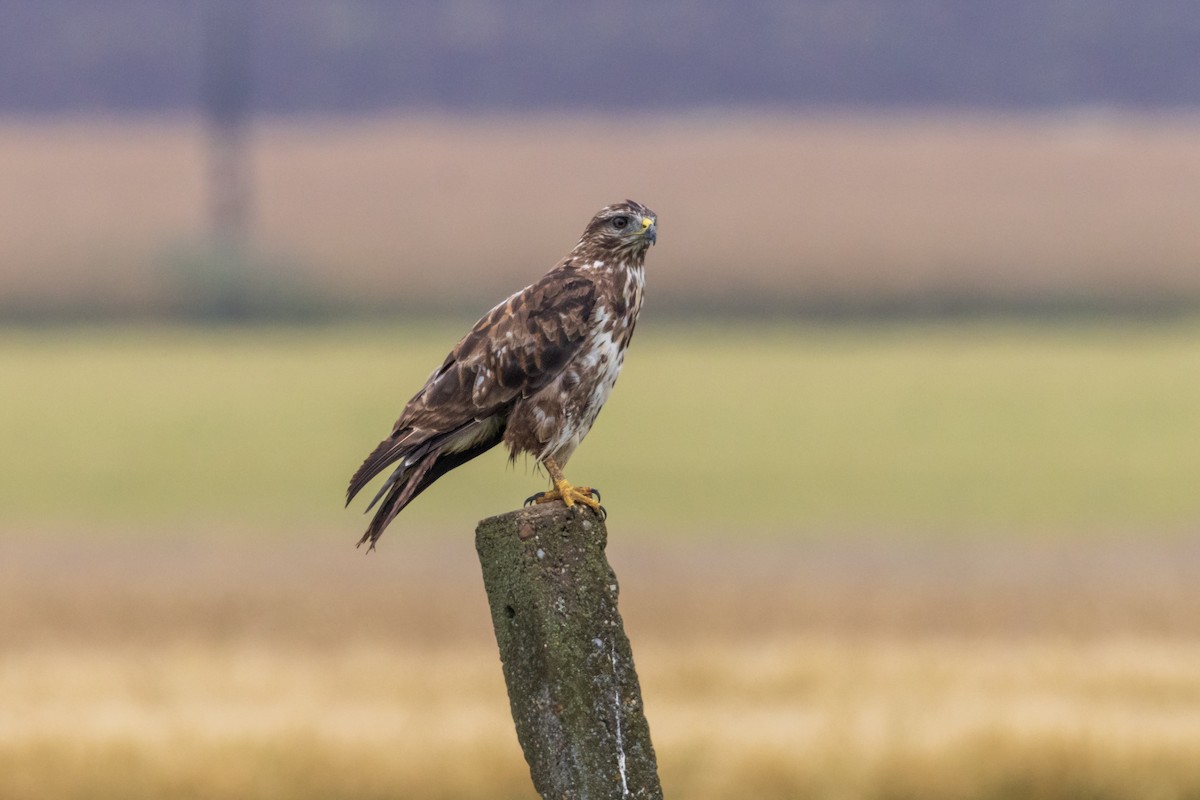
<point>513,351</point>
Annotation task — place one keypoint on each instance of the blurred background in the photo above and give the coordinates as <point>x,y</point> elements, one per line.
<point>901,469</point>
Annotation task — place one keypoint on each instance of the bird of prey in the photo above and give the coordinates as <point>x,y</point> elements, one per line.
<point>532,373</point>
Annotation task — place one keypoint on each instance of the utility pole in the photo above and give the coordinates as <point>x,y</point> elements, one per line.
<point>226,101</point>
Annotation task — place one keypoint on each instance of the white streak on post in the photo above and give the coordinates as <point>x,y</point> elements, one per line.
<point>620,738</point>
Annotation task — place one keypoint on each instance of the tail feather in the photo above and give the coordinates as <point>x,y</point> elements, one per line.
<point>387,452</point>
<point>421,463</point>
<point>395,476</point>
<point>398,496</point>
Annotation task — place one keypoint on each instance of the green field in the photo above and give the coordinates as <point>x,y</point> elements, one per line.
<point>981,427</point>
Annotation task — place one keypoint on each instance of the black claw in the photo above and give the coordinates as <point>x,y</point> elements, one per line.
<point>603,511</point>
<point>596,492</point>
<point>533,498</point>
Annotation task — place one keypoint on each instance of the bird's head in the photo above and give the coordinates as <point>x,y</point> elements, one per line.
<point>627,227</point>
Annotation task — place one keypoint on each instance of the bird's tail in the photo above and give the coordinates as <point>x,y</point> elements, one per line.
<point>404,484</point>
<point>421,463</point>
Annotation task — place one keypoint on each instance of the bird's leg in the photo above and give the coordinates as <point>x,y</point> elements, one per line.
<point>563,490</point>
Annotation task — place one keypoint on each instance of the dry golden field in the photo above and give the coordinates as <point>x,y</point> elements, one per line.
<point>215,666</point>
<point>754,209</point>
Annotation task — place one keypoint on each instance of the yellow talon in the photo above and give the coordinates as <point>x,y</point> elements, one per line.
<point>570,495</point>
<point>563,490</point>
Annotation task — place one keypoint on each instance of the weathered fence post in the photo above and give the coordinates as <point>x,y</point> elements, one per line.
<point>571,682</point>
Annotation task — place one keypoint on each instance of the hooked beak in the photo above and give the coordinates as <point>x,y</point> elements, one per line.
<point>650,229</point>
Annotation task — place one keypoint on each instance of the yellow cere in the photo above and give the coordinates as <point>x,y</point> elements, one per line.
<point>647,222</point>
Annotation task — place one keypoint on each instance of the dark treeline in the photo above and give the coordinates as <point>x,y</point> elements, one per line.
<point>363,56</point>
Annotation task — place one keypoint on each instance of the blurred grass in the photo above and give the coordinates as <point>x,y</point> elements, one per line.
<point>814,719</point>
<point>955,427</point>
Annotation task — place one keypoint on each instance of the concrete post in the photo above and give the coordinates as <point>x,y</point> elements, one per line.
<point>571,682</point>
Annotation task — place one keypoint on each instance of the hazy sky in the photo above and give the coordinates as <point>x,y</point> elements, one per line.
<point>374,55</point>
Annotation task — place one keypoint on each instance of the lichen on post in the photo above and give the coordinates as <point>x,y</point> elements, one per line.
<point>568,666</point>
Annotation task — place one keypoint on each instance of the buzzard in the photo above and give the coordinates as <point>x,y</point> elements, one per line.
<point>533,373</point>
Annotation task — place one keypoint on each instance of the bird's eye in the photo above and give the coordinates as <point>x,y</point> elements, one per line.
<point>620,222</point>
